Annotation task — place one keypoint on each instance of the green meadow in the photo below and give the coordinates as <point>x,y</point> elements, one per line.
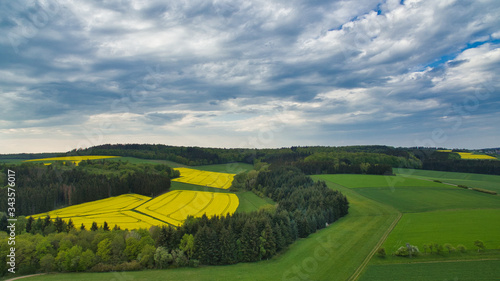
<point>249,202</point>
<point>356,181</point>
<point>454,227</point>
<point>487,270</point>
<point>490,182</point>
<point>424,199</point>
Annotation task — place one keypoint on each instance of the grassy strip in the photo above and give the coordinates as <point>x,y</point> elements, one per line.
<point>484,191</point>
<point>250,202</point>
<point>360,269</point>
<point>175,185</point>
<point>461,270</point>
<point>454,227</point>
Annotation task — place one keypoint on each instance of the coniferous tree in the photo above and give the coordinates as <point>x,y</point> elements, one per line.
<point>228,246</point>
<point>250,242</point>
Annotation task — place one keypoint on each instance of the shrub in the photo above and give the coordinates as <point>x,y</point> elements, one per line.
<point>405,251</point>
<point>439,248</point>
<point>438,181</point>
<point>381,252</point>
<point>194,263</point>
<point>463,186</point>
<point>479,244</point>
<point>179,258</point>
<point>128,266</point>
<point>102,267</point>
<point>461,248</point>
<point>449,247</point>
<point>426,246</point>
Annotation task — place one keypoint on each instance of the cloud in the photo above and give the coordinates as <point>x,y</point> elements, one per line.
<point>309,72</point>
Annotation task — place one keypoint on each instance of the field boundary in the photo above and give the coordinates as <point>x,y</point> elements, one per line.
<point>360,269</point>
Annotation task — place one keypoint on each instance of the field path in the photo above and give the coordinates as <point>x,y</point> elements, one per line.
<point>25,276</point>
<point>360,269</point>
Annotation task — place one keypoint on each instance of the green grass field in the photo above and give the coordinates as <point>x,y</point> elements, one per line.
<point>356,181</point>
<point>250,202</point>
<point>454,227</point>
<point>11,161</point>
<point>230,168</point>
<point>423,199</point>
<point>487,270</point>
<point>490,182</point>
<point>333,253</point>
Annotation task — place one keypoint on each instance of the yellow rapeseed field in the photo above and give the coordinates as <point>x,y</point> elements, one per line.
<point>205,178</point>
<point>114,210</point>
<point>74,159</point>
<point>134,211</point>
<point>174,207</point>
<point>467,155</point>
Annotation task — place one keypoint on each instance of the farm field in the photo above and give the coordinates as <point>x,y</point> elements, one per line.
<point>334,252</point>
<point>136,211</point>
<point>249,202</point>
<point>205,178</point>
<point>356,181</point>
<point>468,155</point>
<point>454,227</point>
<point>114,210</point>
<point>74,159</point>
<point>487,270</point>
<point>433,214</point>
<point>173,207</point>
<point>490,182</point>
<point>423,199</point>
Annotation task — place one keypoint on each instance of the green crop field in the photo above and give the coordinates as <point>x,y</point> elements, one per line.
<point>454,227</point>
<point>11,161</point>
<point>333,253</point>
<point>356,181</point>
<point>230,168</point>
<point>423,199</point>
<point>250,202</point>
<point>487,270</point>
<point>490,182</point>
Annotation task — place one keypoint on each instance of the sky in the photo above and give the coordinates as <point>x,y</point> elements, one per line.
<point>253,73</point>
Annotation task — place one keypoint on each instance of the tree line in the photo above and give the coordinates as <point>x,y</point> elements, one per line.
<point>45,188</point>
<point>451,162</point>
